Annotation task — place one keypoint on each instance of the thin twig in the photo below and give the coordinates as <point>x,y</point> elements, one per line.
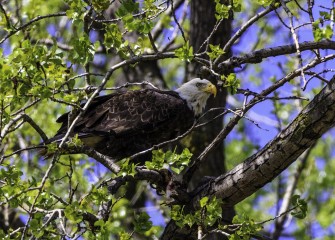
<point>20,229</point>
<point>9,125</point>
<point>160,25</point>
<point>248,92</point>
<point>36,127</point>
<point>8,23</point>
<point>174,35</point>
<point>280,221</point>
<point>295,40</point>
<point>2,158</point>
<point>152,41</point>
<point>176,20</point>
<point>26,107</point>
<point>36,19</point>
<point>207,40</point>
<point>40,188</point>
<point>216,231</point>
<point>239,33</point>
<point>18,194</point>
<point>74,105</point>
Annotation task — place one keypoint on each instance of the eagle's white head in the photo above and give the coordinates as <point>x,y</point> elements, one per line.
<point>196,92</point>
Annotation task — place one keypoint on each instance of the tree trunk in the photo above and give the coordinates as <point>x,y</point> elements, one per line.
<point>202,24</point>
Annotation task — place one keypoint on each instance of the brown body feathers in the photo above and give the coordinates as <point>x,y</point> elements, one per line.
<point>121,124</point>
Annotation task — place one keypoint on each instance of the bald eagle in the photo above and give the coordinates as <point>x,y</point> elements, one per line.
<point>124,123</point>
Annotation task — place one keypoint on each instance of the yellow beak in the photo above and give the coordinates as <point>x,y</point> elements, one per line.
<point>210,88</point>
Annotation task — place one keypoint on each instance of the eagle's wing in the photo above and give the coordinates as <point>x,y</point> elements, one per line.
<point>126,113</point>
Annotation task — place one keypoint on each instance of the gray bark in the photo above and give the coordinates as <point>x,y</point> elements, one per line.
<point>315,119</point>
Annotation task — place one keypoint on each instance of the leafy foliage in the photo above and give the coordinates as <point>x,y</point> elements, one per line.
<point>177,162</point>
<point>246,228</point>
<point>321,33</point>
<point>185,53</point>
<point>142,223</point>
<point>216,51</point>
<point>221,10</point>
<point>301,207</point>
<point>127,168</point>
<point>265,3</point>
<point>209,213</point>
<point>231,81</point>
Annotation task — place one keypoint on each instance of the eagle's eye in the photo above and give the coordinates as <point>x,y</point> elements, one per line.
<point>198,84</point>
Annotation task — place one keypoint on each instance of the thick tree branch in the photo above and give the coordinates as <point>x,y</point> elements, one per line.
<point>259,55</point>
<point>234,120</point>
<point>246,178</point>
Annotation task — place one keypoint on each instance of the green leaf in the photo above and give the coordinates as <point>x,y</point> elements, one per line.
<point>265,3</point>
<point>127,168</point>
<point>34,224</point>
<point>142,222</point>
<point>113,36</point>
<point>100,5</point>
<point>221,10</point>
<point>51,148</point>
<point>75,141</point>
<point>185,53</point>
<point>325,15</point>
<point>157,162</point>
<point>99,223</point>
<point>83,50</point>
<point>203,201</point>
<point>232,82</point>
<point>127,7</point>
<point>248,227</point>
<point>125,236</point>
<point>321,33</point>
<point>72,212</point>
<point>11,175</point>
<point>318,34</point>
<point>99,195</point>
<point>210,206</point>
<point>216,51</point>
<point>72,98</point>
<point>328,32</point>
<point>237,5</point>
<point>185,157</point>
<point>113,39</point>
<point>316,23</point>
<point>301,207</point>
<point>177,215</point>
<point>178,162</point>
<point>141,25</point>
<point>76,11</point>
<point>213,211</point>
